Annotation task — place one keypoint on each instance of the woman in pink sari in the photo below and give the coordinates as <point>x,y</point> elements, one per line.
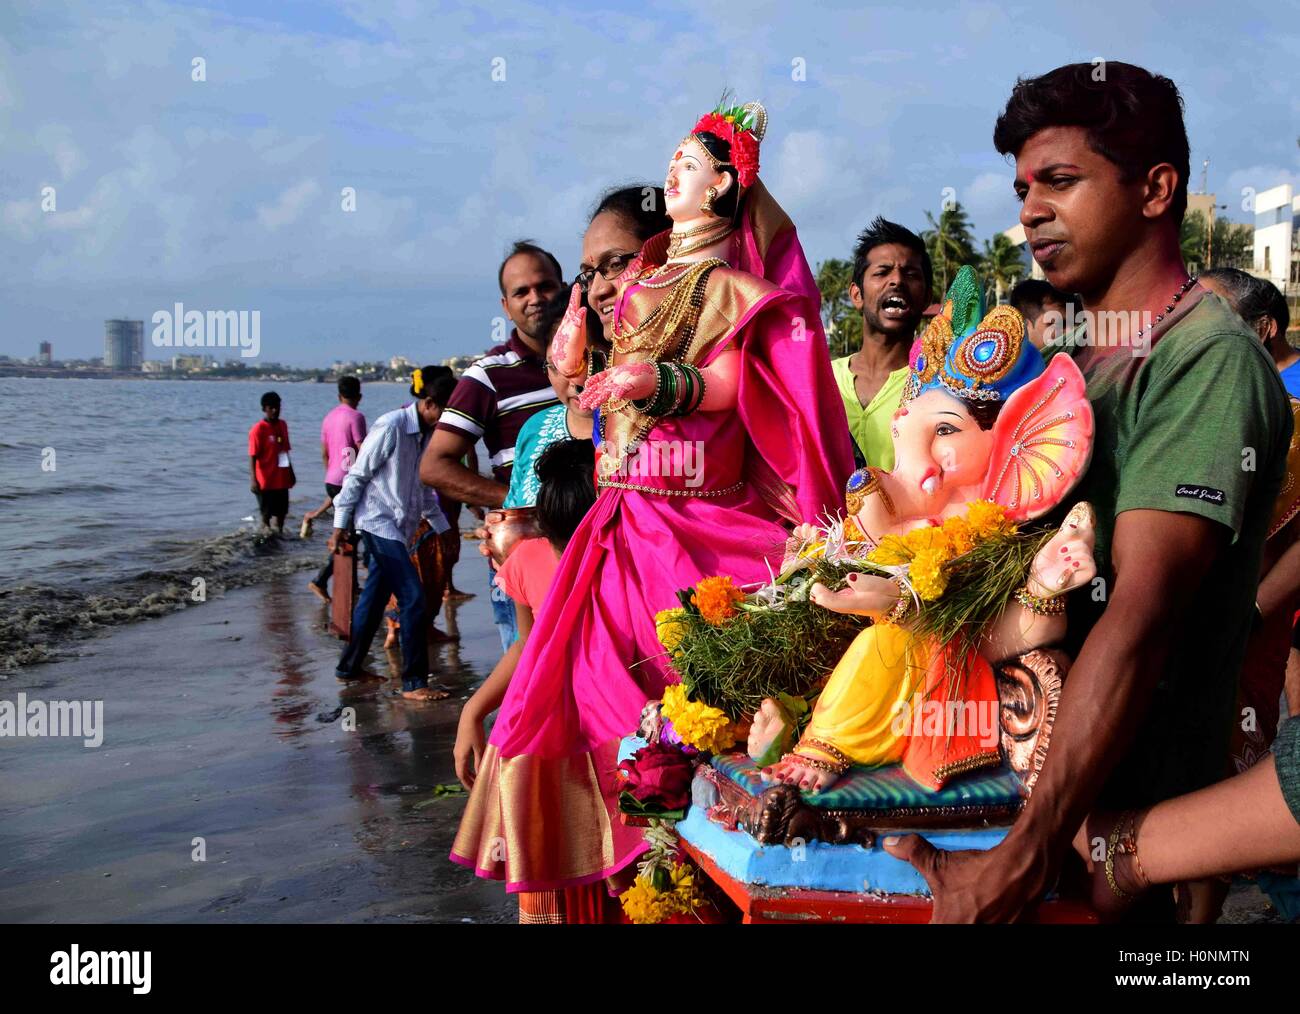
<point>720,421</point>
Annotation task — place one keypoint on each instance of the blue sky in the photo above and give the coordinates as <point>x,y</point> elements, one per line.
<point>226,193</point>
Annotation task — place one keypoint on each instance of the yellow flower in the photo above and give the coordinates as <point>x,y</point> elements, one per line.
<point>642,903</point>
<point>927,574</point>
<point>987,518</point>
<point>959,535</point>
<point>670,628</point>
<point>932,538</point>
<point>699,725</point>
<point>716,598</point>
<point>891,552</point>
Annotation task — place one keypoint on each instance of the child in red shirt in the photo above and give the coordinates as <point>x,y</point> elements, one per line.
<point>270,470</point>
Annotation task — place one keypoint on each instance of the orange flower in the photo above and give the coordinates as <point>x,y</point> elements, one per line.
<point>716,598</point>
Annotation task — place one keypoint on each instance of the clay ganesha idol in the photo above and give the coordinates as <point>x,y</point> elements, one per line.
<point>985,438</point>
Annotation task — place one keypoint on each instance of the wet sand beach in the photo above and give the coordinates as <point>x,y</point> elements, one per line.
<point>222,722</point>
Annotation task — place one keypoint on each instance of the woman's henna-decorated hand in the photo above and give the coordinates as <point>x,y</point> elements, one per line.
<point>628,382</point>
<point>570,340</point>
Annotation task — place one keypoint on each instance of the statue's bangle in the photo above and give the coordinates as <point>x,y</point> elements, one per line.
<point>900,608</point>
<point>1039,605</point>
<point>1128,846</point>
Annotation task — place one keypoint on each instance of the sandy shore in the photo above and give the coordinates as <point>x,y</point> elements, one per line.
<point>213,729</point>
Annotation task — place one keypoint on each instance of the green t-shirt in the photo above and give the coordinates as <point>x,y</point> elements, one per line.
<point>1200,425</point>
<point>870,424</point>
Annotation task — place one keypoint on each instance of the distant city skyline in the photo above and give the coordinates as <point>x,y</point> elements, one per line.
<point>352,171</point>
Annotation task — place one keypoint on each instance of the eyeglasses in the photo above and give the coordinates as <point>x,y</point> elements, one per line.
<point>610,268</point>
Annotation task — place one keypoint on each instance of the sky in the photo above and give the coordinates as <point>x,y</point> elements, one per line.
<point>462,127</point>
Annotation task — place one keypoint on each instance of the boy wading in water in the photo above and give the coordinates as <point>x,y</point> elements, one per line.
<point>269,468</point>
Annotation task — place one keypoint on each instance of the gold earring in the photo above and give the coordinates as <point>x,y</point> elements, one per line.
<point>710,196</point>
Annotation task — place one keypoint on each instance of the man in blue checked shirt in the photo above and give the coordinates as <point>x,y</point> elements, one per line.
<point>384,501</point>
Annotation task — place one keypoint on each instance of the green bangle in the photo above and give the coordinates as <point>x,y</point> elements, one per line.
<point>644,405</point>
<point>687,388</point>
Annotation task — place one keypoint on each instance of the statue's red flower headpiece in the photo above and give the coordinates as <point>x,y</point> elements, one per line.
<point>743,128</point>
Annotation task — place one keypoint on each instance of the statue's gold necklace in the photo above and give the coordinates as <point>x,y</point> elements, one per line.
<point>682,243</point>
<point>676,315</point>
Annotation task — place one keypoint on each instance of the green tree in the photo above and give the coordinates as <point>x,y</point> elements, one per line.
<point>1230,249</point>
<point>842,321</point>
<point>950,244</point>
<point>1001,266</point>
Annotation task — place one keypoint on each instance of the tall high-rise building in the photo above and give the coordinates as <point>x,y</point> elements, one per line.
<point>46,354</point>
<point>123,344</point>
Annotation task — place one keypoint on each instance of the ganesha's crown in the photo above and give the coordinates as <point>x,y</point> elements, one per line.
<point>972,354</point>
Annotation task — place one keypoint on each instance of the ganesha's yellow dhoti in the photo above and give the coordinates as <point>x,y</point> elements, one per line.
<point>898,698</point>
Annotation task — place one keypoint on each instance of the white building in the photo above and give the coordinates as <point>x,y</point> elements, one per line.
<point>1277,237</point>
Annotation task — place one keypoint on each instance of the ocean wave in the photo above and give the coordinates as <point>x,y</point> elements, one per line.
<point>68,489</point>
<point>39,621</point>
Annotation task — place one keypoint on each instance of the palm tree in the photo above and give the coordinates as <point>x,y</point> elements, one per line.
<point>1001,266</point>
<point>842,322</point>
<point>950,244</point>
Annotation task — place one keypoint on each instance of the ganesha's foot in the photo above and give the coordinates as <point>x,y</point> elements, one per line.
<point>814,766</point>
<point>1066,562</point>
<point>800,772</point>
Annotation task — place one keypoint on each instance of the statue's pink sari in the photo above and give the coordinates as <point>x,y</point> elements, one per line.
<point>543,812</point>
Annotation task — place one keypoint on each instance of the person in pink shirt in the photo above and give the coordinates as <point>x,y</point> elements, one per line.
<point>341,434</point>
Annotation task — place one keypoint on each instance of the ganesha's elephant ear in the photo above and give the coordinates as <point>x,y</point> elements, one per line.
<point>1042,442</point>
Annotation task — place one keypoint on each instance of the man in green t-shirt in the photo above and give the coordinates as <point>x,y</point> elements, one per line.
<point>891,285</point>
<point>1192,427</point>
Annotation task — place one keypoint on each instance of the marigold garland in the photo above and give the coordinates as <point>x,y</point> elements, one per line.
<point>670,628</point>
<point>705,728</point>
<point>716,598</point>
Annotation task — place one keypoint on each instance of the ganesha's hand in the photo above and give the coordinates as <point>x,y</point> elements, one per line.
<point>628,382</point>
<point>1066,562</point>
<point>570,341</point>
<point>799,547</point>
<point>865,595</point>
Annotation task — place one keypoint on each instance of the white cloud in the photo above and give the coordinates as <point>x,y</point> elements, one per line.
<point>289,206</point>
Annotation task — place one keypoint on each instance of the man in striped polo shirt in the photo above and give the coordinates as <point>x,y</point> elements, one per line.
<point>495,397</point>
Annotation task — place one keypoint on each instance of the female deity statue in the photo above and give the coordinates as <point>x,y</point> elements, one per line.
<point>718,420</point>
<point>985,438</point>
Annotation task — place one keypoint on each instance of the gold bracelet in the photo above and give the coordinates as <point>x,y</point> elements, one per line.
<point>820,765</point>
<point>829,749</point>
<point>900,608</point>
<point>1128,846</point>
<point>1111,846</point>
<point>1050,605</point>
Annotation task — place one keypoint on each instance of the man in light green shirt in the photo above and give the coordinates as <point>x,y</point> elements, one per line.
<point>892,279</point>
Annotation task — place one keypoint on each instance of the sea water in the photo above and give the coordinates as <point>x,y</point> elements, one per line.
<point>116,495</point>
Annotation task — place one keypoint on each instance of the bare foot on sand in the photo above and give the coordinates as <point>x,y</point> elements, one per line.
<point>425,694</point>
<point>436,636</point>
<point>390,640</point>
<point>791,770</point>
<point>319,592</point>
